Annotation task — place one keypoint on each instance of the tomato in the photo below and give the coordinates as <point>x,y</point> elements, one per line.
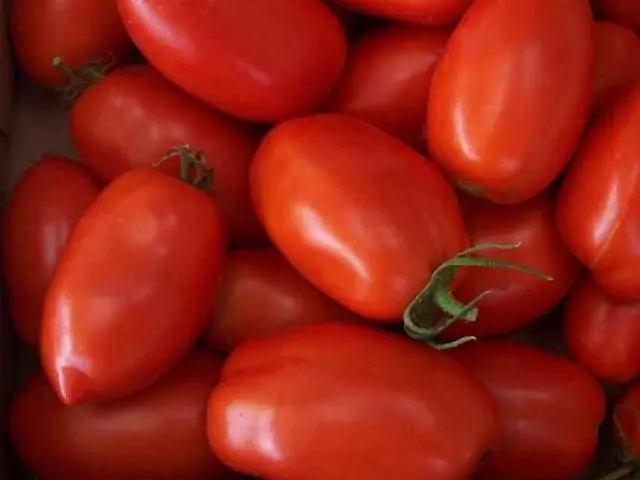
<point>387,77</point>
<point>261,293</point>
<point>158,433</point>
<point>501,119</point>
<point>624,12</point>
<point>626,417</point>
<point>132,289</point>
<point>337,400</point>
<point>603,332</point>
<point>427,12</point>
<point>262,60</point>
<point>549,409</point>
<point>134,116</point>
<point>80,31</point>
<point>43,209</point>
<point>617,61</point>
<point>606,177</point>
<point>362,216</point>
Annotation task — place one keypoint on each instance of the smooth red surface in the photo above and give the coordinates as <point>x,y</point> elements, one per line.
<point>44,207</point>
<point>626,418</point>
<point>132,290</point>
<point>549,408</point>
<point>263,60</point>
<point>501,119</point>
<point>599,204</point>
<point>624,12</point>
<point>427,12</point>
<point>361,215</point>
<point>329,401</point>
<point>133,117</point>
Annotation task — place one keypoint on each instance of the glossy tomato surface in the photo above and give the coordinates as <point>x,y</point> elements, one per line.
<point>80,31</point>
<point>387,77</point>
<point>427,12</point>
<point>132,290</point>
<point>260,293</point>
<point>43,209</point>
<point>156,434</point>
<point>379,407</point>
<point>500,118</point>
<point>133,117</point>
<point>599,204</point>
<point>263,60</point>
<point>624,12</point>
<point>549,408</point>
<point>361,215</point>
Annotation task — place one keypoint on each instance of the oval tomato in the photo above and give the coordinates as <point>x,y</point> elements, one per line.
<point>158,433</point>
<point>517,298</point>
<point>606,178</point>
<point>500,118</point>
<point>379,407</point>
<point>131,292</point>
<point>624,12</point>
<point>361,215</point>
<point>80,31</point>
<point>386,80</point>
<point>603,332</point>
<point>261,293</point>
<point>43,209</point>
<point>134,116</point>
<point>549,410</point>
<point>263,60</point>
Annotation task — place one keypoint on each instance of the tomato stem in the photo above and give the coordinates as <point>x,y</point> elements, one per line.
<point>80,78</point>
<point>190,162</point>
<point>624,471</point>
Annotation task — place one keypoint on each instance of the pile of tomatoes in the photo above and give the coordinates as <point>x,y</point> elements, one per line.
<point>316,240</point>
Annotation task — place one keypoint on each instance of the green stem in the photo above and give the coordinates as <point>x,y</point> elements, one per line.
<point>80,78</point>
<point>191,162</point>
<point>622,472</point>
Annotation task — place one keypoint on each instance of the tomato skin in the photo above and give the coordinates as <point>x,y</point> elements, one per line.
<point>626,418</point>
<point>425,12</point>
<point>133,117</point>
<point>323,183</point>
<point>43,209</point>
<point>549,409</point>
<point>386,80</point>
<point>78,30</point>
<point>500,119</point>
<point>150,249</point>
<point>158,433</point>
<point>518,298</point>
<point>606,175</point>
<point>260,293</point>
<point>624,12</point>
<point>261,60</point>
<point>374,414</point>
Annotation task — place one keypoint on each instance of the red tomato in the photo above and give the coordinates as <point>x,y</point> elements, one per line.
<point>361,215</point>
<point>343,401</point>
<point>518,298</point>
<point>261,293</point>
<point>599,204</point>
<point>386,80</point>
<point>626,417</point>
<point>501,119</point>
<point>158,433</point>
<point>132,289</point>
<point>624,12</point>
<point>263,60</point>
<point>44,207</point>
<point>617,61</point>
<point>426,12</point>
<point>134,116</point>
<point>602,332</point>
<point>549,409</point>
<point>80,31</point>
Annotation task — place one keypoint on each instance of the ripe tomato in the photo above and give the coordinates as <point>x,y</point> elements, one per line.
<point>261,293</point>
<point>337,400</point>
<point>624,12</point>
<point>603,332</point>
<point>158,433</point>
<point>134,116</point>
<point>500,117</point>
<point>80,31</point>
<point>132,289</point>
<point>361,215</point>
<point>263,60</point>
<point>44,207</point>
<point>549,409</point>
<point>517,298</point>
<point>387,77</point>
<point>605,177</point>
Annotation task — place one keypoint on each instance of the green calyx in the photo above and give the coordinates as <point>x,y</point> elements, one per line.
<point>80,78</point>
<point>194,169</point>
